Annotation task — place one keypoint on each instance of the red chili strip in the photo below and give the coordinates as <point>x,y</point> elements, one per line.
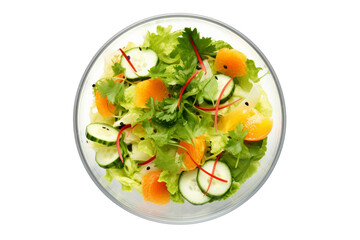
<point>118,140</point>
<point>218,102</point>
<point>127,59</point>
<point>198,55</point>
<point>183,89</point>
<point>131,129</point>
<point>221,107</point>
<point>212,172</point>
<point>211,175</point>
<point>148,161</point>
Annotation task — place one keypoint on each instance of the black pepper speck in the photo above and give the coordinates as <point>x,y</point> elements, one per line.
<point>216,77</point>
<point>148,168</point>
<point>128,57</point>
<point>142,138</point>
<point>93,85</point>
<point>246,103</point>
<point>225,66</point>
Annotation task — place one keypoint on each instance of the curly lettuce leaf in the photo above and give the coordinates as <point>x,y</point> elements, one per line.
<point>127,182</point>
<point>263,105</point>
<point>172,183</point>
<point>163,42</point>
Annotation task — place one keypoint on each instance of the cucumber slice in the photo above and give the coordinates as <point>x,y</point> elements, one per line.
<point>143,59</point>
<point>108,157</point>
<point>229,91</point>
<point>190,190</point>
<point>217,188</point>
<point>101,133</point>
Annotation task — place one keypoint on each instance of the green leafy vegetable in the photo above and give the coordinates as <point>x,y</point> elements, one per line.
<point>167,162</point>
<point>163,43</point>
<point>263,105</point>
<point>172,183</point>
<point>127,182</point>
<point>117,69</point>
<point>236,145</point>
<point>114,91</point>
<point>221,44</point>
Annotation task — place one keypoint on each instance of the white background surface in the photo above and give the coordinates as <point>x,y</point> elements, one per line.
<point>313,192</point>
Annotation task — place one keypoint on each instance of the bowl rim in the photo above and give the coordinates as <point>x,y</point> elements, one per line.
<point>210,216</point>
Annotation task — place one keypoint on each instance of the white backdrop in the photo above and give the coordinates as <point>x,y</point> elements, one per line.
<point>313,192</point>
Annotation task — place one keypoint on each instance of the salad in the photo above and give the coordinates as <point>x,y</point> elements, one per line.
<point>179,117</point>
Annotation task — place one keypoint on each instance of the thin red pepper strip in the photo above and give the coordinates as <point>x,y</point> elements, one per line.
<point>183,89</point>
<point>212,172</point>
<point>148,161</point>
<point>211,175</point>
<point>118,140</point>
<point>198,55</point>
<point>218,102</point>
<point>221,107</point>
<point>131,129</point>
<point>127,59</point>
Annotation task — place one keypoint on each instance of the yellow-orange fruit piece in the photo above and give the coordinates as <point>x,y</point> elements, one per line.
<point>230,62</point>
<point>256,124</point>
<point>154,191</point>
<point>155,88</point>
<point>104,108</point>
<point>196,152</point>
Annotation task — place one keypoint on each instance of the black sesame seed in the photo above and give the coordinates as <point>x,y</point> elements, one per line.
<point>128,57</point>
<point>198,67</point>
<point>107,129</point>
<point>129,147</point>
<point>216,77</point>
<point>122,124</point>
<point>155,131</point>
<point>197,113</point>
<point>87,141</point>
<point>225,66</point>
<point>93,85</point>
<point>104,127</point>
<point>229,137</point>
<point>148,168</point>
<point>140,48</point>
<point>246,103</point>
<point>142,138</point>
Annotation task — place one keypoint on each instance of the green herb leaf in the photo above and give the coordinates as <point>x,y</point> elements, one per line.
<point>167,162</point>
<point>114,91</point>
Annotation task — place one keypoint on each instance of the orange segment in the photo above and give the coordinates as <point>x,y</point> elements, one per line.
<point>154,191</point>
<point>150,88</point>
<point>196,152</point>
<point>104,108</point>
<point>230,62</point>
<point>257,125</point>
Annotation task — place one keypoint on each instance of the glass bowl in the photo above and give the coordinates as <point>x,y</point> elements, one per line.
<point>174,213</point>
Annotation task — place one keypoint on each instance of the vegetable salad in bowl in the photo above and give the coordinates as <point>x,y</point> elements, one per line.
<point>179,117</point>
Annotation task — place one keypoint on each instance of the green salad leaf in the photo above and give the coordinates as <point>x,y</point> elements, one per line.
<point>172,183</point>
<point>127,182</point>
<point>167,162</point>
<point>163,43</point>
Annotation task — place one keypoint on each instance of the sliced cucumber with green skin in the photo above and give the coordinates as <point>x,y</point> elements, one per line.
<point>101,133</point>
<point>217,188</point>
<point>142,59</point>
<point>229,91</point>
<point>189,188</point>
<point>108,157</point>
